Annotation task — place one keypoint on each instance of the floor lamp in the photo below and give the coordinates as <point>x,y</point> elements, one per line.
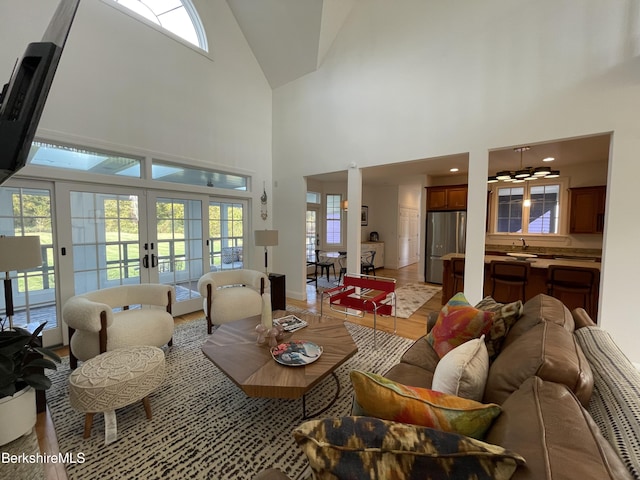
<point>266,238</point>
<point>17,253</point>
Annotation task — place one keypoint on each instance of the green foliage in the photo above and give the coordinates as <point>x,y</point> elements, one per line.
<point>20,358</point>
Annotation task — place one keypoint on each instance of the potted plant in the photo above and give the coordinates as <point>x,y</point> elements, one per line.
<point>22,361</point>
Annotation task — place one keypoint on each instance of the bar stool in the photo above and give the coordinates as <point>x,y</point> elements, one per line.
<point>457,269</point>
<point>573,280</point>
<point>509,274</point>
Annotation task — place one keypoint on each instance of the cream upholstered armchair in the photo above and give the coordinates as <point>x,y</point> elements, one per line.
<point>232,294</point>
<point>94,326</point>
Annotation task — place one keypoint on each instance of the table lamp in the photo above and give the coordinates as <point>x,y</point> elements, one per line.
<point>17,253</point>
<point>266,238</point>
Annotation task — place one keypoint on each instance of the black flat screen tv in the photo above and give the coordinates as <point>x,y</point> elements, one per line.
<point>23,97</point>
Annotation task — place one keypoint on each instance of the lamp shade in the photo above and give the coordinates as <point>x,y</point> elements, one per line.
<point>19,253</point>
<point>266,238</point>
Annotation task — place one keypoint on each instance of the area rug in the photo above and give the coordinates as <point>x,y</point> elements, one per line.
<point>203,426</point>
<point>412,296</point>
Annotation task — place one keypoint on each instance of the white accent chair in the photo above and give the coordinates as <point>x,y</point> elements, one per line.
<point>232,294</point>
<point>95,328</point>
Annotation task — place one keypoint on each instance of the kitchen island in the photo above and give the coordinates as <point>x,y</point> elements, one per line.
<point>537,279</point>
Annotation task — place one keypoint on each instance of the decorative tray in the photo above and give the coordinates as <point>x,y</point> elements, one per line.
<point>296,353</point>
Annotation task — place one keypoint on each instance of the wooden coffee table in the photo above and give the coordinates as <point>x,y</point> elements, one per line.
<point>232,348</point>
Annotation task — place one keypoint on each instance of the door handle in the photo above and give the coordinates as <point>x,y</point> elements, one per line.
<point>145,261</point>
<point>154,261</point>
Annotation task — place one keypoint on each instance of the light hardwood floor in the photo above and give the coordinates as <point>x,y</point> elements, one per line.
<point>413,327</point>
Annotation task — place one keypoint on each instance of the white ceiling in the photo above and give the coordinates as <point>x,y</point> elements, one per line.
<point>566,152</point>
<point>290,38</point>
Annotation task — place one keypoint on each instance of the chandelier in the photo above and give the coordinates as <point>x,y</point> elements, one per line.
<point>524,173</point>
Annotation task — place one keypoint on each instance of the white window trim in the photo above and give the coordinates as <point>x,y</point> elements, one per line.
<point>130,13</point>
<point>563,225</point>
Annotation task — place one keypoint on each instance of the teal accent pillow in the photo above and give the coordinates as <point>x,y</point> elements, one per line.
<point>371,448</point>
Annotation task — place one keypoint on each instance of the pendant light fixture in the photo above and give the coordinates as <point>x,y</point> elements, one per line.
<point>524,173</point>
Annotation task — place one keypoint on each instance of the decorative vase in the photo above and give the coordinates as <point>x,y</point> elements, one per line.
<point>17,415</point>
<point>267,314</point>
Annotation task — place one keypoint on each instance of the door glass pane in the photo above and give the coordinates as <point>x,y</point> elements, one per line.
<point>105,240</point>
<point>226,235</point>
<point>179,233</point>
<point>27,211</point>
<point>311,234</point>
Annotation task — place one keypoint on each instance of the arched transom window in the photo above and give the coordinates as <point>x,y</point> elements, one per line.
<point>177,16</point>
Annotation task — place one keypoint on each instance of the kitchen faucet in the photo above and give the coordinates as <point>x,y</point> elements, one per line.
<point>524,243</point>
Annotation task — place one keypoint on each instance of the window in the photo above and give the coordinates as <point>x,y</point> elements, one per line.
<point>226,235</point>
<point>334,219</point>
<point>530,208</point>
<point>168,172</point>
<point>177,16</point>
<point>77,158</point>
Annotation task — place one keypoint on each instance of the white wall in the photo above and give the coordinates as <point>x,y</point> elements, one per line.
<point>123,85</point>
<point>411,79</point>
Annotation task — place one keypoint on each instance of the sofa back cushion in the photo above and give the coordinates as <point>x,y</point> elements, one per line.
<point>547,350</point>
<point>545,423</point>
<point>541,308</point>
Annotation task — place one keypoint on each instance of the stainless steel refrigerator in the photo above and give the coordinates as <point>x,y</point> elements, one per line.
<point>446,233</point>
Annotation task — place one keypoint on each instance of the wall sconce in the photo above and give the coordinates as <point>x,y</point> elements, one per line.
<point>526,203</point>
<point>345,205</point>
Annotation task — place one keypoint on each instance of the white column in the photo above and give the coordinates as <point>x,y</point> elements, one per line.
<point>476,222</point>
<point>354,195</point>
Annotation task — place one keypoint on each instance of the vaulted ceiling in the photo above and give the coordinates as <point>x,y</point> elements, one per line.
<point>290,38</point>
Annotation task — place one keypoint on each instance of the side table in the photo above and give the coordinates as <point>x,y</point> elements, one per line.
<point>278,291</point>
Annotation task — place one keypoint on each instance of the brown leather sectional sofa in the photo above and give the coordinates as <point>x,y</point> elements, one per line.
<point>544,383</point>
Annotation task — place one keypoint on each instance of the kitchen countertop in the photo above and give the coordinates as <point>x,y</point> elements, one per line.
<point>542,263</point>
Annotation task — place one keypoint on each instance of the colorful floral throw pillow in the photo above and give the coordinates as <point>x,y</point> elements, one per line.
<point>380,397</point>
<point>458,322</point>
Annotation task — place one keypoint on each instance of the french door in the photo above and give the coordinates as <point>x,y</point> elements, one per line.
<point>26,209</point>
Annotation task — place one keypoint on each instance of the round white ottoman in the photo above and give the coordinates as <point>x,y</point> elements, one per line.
<point>114,380</point>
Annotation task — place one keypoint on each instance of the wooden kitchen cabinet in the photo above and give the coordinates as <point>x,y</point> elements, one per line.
<point>586,213</point>
<point>450,197</point>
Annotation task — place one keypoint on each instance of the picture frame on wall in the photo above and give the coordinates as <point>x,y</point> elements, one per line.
<point>364,216</point>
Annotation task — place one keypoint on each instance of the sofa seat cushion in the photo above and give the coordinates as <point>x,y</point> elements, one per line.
<point>371,448</point>
<point>615,403</point>
<point>380,397</point>
<point>541,308</point>
<point>463,371</point>
<point>545,423</point>
<point>547,350</point>
<point>458,322</point>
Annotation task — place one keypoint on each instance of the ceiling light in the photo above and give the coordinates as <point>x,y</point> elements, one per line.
<point>524,173</point>
<point>548,159</point>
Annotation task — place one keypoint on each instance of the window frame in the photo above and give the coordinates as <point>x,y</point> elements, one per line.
<point>563,208</point>
<point>333,221</point>
<point>198,27</point>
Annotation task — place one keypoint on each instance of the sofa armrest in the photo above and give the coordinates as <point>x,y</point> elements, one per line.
<point>432,318</point>
<point>81,313</point>
<point>582,318</point>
